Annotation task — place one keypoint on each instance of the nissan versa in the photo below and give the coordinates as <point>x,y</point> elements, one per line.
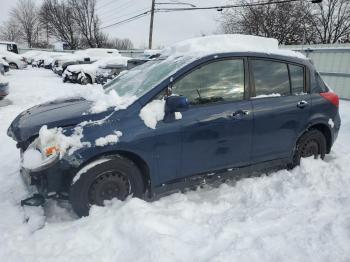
<point>225,115</point>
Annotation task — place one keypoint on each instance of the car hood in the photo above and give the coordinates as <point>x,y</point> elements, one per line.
<point>58,113</point>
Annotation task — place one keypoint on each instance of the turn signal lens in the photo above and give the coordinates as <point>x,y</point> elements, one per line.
<point>51,150</point>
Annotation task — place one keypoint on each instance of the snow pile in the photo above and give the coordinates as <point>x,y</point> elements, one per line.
<point>3,80</point>
<point>110,139</point>
<point>152,113</point>
<point>55,136</point>
<point>102,100</point>
<point>228,43</point>
<point>32,158</point>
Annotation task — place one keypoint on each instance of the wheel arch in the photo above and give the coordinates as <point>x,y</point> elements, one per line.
<point>135,158</point>
<point>324,129</point>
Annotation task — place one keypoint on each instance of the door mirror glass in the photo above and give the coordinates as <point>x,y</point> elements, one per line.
<point>176,104</point>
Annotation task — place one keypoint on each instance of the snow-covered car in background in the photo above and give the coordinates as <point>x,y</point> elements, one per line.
<point>45,59</point>
<point>61,63</point>
<point>147,56</point>
<point>15,61</point>
<point>49,60</point>
<point>4,87</point>
<point>5,67</point>
<point>86,56</point>
<point>102,69</point>
<point>31,55</point>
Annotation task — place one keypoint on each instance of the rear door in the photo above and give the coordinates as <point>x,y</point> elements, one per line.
<point>281,107</point>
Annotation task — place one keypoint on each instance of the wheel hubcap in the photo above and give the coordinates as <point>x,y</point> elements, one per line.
<point>310,148</point>
<point>107,186</point>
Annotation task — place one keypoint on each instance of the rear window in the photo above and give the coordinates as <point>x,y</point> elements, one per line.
<point>297,78</point>
<point>271,78</point>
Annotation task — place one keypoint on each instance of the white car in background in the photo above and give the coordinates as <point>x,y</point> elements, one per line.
<point>89,73</point>
<point>15,61</point>
<point>32,54</point>
<point>86,56</point>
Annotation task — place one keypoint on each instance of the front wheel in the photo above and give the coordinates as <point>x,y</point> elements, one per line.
<point>312,143</point>
<point>112,178</point>
<point>13,66</point>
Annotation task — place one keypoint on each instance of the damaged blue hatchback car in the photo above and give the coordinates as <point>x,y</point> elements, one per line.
<point>191,119</point>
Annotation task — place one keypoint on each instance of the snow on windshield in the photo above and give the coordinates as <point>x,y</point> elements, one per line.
<point>141,79</point>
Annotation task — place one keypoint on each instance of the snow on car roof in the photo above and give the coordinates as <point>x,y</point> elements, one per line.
<point>228,43</point>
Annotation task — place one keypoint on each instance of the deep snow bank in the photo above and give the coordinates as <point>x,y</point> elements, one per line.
<point>298,215</point>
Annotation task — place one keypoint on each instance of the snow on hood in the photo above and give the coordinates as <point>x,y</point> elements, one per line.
<point>228,43</point>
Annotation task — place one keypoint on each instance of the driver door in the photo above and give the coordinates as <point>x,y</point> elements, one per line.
<point>216,131</point>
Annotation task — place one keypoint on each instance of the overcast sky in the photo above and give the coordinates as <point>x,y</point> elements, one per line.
<point>168,27</point>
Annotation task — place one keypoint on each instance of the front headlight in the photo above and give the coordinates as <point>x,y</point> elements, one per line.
<point>38,157</point>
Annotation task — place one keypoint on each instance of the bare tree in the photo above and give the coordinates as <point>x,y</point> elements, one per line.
<point>331,20</point>
<point>26,13</point>
<point>10,31</point>
<point>286,22</point>
<point>58,18</point>
<point>86,19</point>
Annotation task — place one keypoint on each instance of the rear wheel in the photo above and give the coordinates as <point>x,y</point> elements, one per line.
<point>312,143</point>
<point>115,178</point>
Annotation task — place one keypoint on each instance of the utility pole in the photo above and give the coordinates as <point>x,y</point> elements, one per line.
<point>151,25</point>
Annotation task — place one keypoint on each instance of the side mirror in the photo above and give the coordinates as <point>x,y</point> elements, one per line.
<point>176,104</point>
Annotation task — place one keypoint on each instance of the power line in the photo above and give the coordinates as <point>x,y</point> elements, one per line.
<point>199,8</point>
<point>224,6</point>
<point>112,20</point>
<point>128,19</point>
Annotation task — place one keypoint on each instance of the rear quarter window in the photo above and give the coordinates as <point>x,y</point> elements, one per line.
<point>321,85</point>
<point>297,78</point>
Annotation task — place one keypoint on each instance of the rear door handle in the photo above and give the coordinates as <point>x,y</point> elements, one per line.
<point>302,104</point>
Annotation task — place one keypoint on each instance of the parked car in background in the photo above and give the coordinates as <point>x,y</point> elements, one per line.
<point>8,46</point>
<point>86,56</point>
<point>4,86</point>
<point>60,64</point>
<point>32,54</point>
<point>5,66</point>
<point>211,108</point>
<point>101,70</point>
<point>15,61</point>
<point>147,56</point>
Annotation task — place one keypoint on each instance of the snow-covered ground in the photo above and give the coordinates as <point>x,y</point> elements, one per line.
<point>298,215</point>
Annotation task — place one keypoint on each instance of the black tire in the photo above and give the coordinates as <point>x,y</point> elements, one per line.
<point>312,143</point>
<point>13,66</point>
<point>116,178</point>
<point>85,80</point>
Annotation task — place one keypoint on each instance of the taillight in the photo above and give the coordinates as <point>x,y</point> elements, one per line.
<point>331,97</point>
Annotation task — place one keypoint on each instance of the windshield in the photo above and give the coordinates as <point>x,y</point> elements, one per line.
<point>141,79</point>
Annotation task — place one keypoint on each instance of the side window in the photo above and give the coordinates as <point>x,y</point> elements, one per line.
<point>271,78</point>
<point>297,78</point>
<point>214,82</point>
